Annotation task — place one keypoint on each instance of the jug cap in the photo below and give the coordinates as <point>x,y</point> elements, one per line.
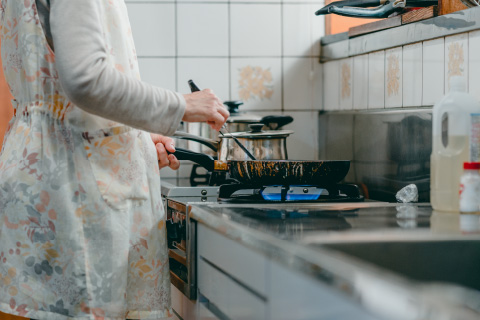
<point>471,165</point>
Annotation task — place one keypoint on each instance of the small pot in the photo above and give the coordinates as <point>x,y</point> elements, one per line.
<point>264,145</point>
<point>237,122</point>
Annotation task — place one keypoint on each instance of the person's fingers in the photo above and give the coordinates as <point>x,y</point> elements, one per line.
<point>168,143</point>
<point>174,162</point>
<point>205,106</point>
<point>217,121</point>
<point>162,156</point>
<point>224,112</point>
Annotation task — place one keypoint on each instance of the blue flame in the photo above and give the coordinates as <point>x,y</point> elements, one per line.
<point>277,196</point>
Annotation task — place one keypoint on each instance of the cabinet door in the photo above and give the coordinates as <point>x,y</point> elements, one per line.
<point>226,297</point>
<point>241,263</point>
<point>297,296</point>
<point>228,279</point>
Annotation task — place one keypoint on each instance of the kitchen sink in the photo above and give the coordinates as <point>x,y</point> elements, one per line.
<point>453,261</point>
<point>414,276</point>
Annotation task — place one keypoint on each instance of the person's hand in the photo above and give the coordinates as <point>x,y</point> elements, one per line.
<point>162,144</point>
<point>205,106</point>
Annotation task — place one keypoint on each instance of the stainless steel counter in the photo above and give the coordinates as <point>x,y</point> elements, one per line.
<point>399,261</point>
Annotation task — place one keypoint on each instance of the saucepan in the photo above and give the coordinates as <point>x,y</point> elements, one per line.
<point>236,122</point>
<point>263,145</point>
<point>273,172</point>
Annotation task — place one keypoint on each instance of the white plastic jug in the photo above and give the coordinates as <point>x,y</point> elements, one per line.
<point>452,124</point>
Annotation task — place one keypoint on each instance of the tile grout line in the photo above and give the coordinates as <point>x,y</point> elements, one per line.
<point>282,60</point>
<point>230,81</point>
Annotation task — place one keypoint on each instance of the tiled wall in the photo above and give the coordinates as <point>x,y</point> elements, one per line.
<point>414,75</point>
<point>264,52</point>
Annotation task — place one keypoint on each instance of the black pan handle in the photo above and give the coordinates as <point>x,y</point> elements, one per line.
<point>382,11</point>
<point>350,3</point>
<point>204,160</point>
<point>276,122</point>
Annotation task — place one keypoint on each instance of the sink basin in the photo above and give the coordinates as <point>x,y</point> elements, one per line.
<point>456,262</point>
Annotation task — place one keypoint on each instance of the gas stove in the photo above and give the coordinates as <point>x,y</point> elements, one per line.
<point>242,193</point>
<point>297,207</point>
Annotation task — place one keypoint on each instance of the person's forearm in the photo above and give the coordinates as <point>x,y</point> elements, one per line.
<point>93,83</point>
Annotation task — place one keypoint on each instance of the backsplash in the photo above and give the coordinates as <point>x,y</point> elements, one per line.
<point>379,90</point>
<point>388,149</point>
<point>414,75</point>
<point>265,53</point>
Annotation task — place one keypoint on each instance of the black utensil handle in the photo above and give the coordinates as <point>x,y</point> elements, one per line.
<point>204,160</point>
<point>193,86</point>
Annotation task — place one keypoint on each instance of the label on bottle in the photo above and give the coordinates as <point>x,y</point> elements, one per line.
<point>474,137</point>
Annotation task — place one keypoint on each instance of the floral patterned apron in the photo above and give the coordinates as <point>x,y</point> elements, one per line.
<point>82,226</point>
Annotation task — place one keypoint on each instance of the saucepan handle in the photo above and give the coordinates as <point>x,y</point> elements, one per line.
<point>202,159</point>
<point>212,144</point>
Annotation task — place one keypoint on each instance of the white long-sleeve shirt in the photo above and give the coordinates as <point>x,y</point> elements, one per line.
<point>73,29</point>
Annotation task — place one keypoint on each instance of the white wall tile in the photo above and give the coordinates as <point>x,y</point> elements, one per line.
<point>346,84</point>
<point>433,71</point>
<point>301,76</point>
<point>331,85</point>
<point>360,82</point>
<point>255,30</point>
<point>202,29</point>
<point>257,82</point>
<point>254,1</point>
<point>456,58</point>
<point>303,144</point>
<point>302,30</point>
<point>318,85</point>
<point>153,27</point>
<point>474,63</point>
<point>318,29</point>
<point>209,73</point>
<point>316,3</point>
<point>412,75</point>
<point>144,1</point>
<point>376,80</point>
<point>393,78</point>
<point>158,71</point>
<point>199,1</point>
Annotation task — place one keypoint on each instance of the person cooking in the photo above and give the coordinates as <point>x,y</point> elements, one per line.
<point>82,226</point>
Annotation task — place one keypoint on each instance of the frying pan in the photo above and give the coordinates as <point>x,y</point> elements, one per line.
<point>273,172</point>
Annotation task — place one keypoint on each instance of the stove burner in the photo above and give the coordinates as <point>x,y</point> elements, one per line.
<point>242,193</point>
<point>291,193</point>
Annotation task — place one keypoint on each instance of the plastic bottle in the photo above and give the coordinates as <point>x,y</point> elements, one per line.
<point>470,188</point>
<point>452,127</point>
